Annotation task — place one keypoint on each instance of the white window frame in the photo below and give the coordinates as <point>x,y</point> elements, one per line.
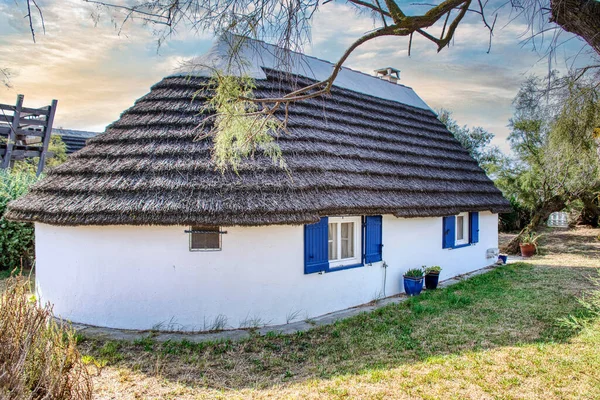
<point>466,228</point>
<point>357,257</point>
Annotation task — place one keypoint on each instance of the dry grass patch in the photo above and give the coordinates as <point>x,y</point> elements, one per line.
<point>38,356</point>
<point>577,247</point>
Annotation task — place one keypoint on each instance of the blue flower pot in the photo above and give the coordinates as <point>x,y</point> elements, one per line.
<point>503,257</point>
<point>413,286</point>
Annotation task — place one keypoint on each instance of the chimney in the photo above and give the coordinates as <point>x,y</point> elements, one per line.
<point>388,74</point>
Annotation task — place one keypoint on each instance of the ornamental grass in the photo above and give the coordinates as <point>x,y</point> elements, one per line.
<point>38,355</point>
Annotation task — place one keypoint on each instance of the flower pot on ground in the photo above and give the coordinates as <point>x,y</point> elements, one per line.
<point>528,244</point>
<point>432,276</point>
<point>527,249</point>
<point>413,281</point>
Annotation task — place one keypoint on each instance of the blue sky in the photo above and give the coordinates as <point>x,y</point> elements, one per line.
<point>96,73</point>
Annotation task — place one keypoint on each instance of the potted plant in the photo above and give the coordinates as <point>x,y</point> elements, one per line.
<point>528,244</point>
<point>432,276</point>
<point>413,281</point>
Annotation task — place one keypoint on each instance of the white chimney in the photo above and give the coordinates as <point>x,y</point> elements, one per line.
<point>389,74</point>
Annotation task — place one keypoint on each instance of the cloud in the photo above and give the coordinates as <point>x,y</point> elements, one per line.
<point>97,73</point>
<point>478,87</point>
<point>92,70</point>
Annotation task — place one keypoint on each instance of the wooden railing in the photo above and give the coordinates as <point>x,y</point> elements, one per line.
<point>25,133</point>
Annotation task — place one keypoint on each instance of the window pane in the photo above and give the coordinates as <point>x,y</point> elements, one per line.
<point>332,241</point>
<point>460,228</point>
<point>206,241</point>
<point>347,237</point>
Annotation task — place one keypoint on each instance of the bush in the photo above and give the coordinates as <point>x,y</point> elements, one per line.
<point>38,356</point>
<point>57,147</point>
<point>515,220</point>
<point>16,238</point>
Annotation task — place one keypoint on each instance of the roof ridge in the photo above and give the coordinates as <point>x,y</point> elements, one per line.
<point>316,58</point>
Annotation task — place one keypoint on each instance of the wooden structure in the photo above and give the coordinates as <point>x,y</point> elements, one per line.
<point>25,133</point>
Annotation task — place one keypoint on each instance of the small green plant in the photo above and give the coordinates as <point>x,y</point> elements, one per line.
<point>590,302</point>
<point>414,273</point>
<point>433,270</point>
<point>530,238</point>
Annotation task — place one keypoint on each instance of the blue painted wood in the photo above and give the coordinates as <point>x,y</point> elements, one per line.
<point>316,258</point>
<point>373,239</point>
<point>473,227</point>
<point>448,231</point>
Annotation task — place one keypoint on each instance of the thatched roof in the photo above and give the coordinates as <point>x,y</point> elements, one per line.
<point>349,154</point>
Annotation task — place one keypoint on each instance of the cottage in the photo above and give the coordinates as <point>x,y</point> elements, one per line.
<point>139,230</point>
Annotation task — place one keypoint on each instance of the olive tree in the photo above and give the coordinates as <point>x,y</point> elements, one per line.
<point>552,138</point>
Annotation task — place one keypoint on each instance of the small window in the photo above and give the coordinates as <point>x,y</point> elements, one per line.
<point>462,228</point>
<point>344,241</point>
<point>205,238</point>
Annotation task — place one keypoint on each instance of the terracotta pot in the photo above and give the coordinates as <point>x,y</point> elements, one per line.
<point>527,249</point>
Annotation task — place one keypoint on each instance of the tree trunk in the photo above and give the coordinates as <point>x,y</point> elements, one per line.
<point>590,215</point>
<point>581,17</point>
<point>540,215</point>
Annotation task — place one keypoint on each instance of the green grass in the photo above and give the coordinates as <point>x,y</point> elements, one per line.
<point>435,338</point>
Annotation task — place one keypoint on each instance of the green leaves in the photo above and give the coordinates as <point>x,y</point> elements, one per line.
<point>477,141</point>
<point>552,139</point>
<point>239,126</point>
<point>16,238</point>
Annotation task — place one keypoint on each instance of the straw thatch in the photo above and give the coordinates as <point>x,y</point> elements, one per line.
<point>351,154</point>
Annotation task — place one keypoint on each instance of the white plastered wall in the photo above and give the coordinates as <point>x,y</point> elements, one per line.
<point>146,277</point>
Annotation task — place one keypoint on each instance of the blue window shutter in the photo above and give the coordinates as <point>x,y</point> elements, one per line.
<point>473,227</point>
<point>316,257</point>
<point>373,239</point>
<point>448,231</point>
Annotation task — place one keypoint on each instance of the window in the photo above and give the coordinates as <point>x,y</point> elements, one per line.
<point>343,241</point>
<point>337,243</point>
<point>462,229</point>
<point>205,238</point>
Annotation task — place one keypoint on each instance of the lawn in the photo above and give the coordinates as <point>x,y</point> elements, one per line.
<point>497,335</point>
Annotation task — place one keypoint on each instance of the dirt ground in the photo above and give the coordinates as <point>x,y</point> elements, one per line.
<point>577,247</point>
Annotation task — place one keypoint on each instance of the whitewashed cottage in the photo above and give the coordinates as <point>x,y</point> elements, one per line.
<point>138,229</point>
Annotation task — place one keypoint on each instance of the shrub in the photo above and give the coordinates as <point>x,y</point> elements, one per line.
<point>516,219</point>
<point>57,147</point>
<point>16,238</point>
<point>38,356</point>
